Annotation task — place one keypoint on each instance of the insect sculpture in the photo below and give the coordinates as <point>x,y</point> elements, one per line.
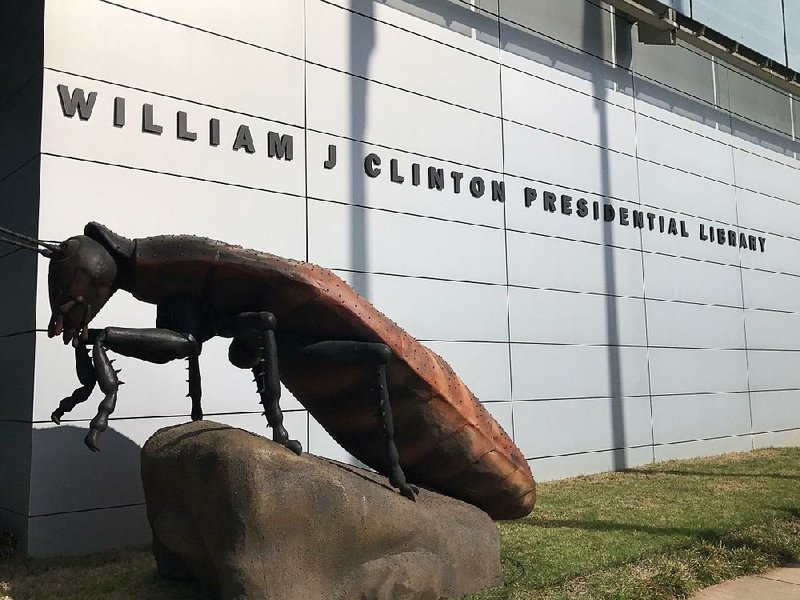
<point>387,399</point>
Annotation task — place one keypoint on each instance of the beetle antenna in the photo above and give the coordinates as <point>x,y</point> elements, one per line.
<point>53,248</point>
<point>47,252</point>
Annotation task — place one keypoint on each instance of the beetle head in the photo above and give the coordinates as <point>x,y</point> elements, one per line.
<point>85,271</point>
<point>81,279</point>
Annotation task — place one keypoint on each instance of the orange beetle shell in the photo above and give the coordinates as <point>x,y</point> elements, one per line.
<point>445,437</point>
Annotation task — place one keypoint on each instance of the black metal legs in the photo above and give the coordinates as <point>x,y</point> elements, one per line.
<point>254,347</point>
<point>85,370</point>
<point>153,345</point>
<point>269,388</point>
<point>373,356</point>
<point>195,387</point>
<point>396,475</point>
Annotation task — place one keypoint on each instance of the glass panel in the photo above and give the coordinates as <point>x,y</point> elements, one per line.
<point>676,67</point>
<point>682,6</point>
<point>757,25</point>
<point>573,22</point>
<point>758,102</point>
<point>461,16</point>
<point>792,8</point>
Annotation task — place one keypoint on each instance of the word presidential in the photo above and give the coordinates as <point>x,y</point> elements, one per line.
<point>642,219</point>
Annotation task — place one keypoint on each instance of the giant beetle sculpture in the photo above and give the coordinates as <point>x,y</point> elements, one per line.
<point>387,399</point>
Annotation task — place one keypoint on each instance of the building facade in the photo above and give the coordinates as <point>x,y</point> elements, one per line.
<point>601,236</point>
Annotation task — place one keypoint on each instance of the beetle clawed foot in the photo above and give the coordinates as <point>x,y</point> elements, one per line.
<point>91,440</point>
<point>409,491</point>
<point>294,446</point>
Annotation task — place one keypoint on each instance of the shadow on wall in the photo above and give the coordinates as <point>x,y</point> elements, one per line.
<point>599,90</point>
<point>454,15</point>
<point>362,44</point>
<point>67,476</point>
<point>536,30</point>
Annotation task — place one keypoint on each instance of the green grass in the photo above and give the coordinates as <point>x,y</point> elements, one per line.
<point>653,533</point>
<point>661,531</point>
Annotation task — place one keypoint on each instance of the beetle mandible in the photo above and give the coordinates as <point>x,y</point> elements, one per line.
<point>388,400</point>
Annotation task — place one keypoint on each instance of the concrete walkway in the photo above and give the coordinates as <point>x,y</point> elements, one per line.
<point>781,584</point>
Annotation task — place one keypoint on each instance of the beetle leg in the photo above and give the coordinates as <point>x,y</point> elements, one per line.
<point>396,475</point>
<point>85,371</point>
<point>254,347</point>
<point>374,355</point>
<point>109,384</point>
<point>195,387</point>
<point>269,388</point>
<point>152,345</point>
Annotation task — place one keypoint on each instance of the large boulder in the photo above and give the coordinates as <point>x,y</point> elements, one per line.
<point>250,519</point>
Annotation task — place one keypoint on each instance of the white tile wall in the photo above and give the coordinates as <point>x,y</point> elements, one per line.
<point>539,155</point>
<point>102,41</point>
<point>538,261</point>
<point>552,107</point>
<point>761,174</point>
<point>769,330</point>
<point>664,187</point>
<point>557,427</point>
<point>354,238</point>
<point>483,367</point>
<point>345,105</point>
<point>503,414</point>
<point>767,213</point>
<point>88,532</point>
<point>680,371</point>
<point>703,448</point>
<point>656,141</point>
<point>668,278</point>
<point>695,417</point>
<point>677,324</point>
<point>271,24</point>
<point>463,25</point>
<point>775,370</point>
<point>439,263</point>
<point>559,467</point>
<point>780,256</point>
<point>775,411</point>
<point>365,47</point>
<point>771,290</point>
<point>777,439</point>
<point>594,319</point>
<point>431,309</point>
<point>545,371</point>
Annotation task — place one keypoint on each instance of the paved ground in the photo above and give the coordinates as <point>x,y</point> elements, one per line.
<point>781,584</point>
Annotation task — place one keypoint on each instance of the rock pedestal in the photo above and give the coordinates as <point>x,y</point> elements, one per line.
<point>250,519</point>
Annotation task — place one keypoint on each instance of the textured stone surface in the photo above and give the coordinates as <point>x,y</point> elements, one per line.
<point>251,520</point>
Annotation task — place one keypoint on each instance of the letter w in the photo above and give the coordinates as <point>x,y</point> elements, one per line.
<point>76,101</point>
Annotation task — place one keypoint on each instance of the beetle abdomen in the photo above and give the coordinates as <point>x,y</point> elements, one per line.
<point>446,438</point>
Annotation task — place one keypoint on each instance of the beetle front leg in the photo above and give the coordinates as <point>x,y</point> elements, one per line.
<point>85,370</point>
<point>152,345</point>
<point>109,384</point>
